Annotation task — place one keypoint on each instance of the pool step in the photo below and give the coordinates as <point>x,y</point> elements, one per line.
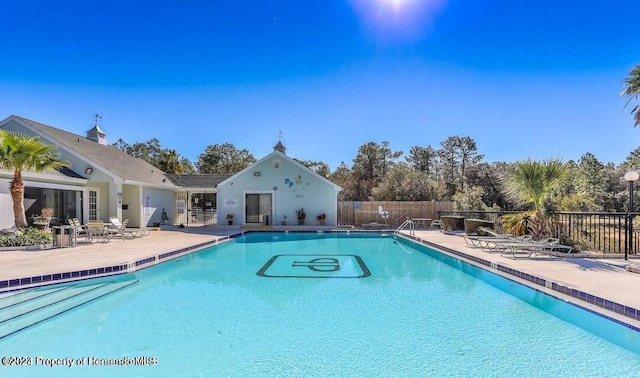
<point>32,308</point>
<point>13,299</point>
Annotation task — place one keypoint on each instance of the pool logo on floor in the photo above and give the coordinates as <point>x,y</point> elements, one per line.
<point>314,266</point>
<point>322,264</point>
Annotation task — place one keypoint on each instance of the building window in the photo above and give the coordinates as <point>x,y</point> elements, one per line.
<point>65,203</point>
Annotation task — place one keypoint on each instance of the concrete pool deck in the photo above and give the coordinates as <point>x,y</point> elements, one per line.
<point>601,278</point>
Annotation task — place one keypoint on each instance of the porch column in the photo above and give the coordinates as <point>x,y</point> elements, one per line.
<point>115,200</point>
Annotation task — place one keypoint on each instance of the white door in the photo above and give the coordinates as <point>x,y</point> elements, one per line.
<point>94,204</point>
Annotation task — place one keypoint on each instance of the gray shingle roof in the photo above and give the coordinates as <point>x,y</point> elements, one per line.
<point>203,181</point>
<point>116,161</point>
<point>59,172</point>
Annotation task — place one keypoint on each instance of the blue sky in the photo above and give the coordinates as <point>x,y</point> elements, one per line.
<point>526,78</point>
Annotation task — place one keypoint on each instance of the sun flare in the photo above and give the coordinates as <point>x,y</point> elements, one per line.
<point>395,20</point>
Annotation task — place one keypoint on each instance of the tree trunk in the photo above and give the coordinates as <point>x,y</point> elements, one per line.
<point>17,194</point>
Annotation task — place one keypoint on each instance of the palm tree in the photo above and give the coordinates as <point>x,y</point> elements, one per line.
<point>632,90</point>
<point>531,183</point>
<point>169,162</point>
<point>22,152</point>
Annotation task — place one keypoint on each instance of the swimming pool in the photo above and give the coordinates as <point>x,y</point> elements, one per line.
<point>274,304</point>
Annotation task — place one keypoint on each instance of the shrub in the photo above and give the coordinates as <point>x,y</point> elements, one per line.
<point>452,222</point>
<point>25,237</point>
<point>471,226</point>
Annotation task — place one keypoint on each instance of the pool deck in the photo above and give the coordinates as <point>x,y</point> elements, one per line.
<point>597,278</point>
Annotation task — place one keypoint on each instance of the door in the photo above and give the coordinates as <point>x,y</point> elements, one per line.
<point>94,205</point>
<point>258,208</point>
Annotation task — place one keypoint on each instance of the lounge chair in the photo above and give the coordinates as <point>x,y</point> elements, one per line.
<point>120,229</point>
<point>491,232</point>
<point>550,249</point>
<point>492,243</point>
<point>514,246</point>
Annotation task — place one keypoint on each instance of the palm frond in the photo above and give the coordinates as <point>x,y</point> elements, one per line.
<point>632,90</point>
<point>516,224</point>
<point>531,181</point>
<point>23,152</point>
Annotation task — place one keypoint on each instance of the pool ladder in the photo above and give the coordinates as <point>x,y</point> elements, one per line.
<point>407,224</point>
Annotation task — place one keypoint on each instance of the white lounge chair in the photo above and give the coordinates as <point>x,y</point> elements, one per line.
<point>492,243</point>
<point>534,248</point>
<point>121,230</point>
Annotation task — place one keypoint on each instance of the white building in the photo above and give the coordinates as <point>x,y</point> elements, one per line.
<point>273,189</point>
<point>103,181</point>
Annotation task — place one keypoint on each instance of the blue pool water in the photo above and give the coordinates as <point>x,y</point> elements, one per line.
<point>270,305</point>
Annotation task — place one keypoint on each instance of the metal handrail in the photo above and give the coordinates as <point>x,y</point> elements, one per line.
<point>407,223</point>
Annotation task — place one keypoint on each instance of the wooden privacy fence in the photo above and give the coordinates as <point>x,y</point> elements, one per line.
<point>359,212</point>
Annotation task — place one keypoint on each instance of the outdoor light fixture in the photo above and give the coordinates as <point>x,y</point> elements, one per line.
<point>88,171</point>
<point>630,177</point>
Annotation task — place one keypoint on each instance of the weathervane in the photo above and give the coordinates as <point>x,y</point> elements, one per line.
<point>96,118</point>
<point>280,136</point>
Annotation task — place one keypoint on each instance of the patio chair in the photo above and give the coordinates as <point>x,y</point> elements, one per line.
<point>98,231</point>
<point>436,223</point>
<point>78,229</point>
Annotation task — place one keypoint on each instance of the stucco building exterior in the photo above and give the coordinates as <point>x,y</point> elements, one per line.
<point>103,181</point>
<point>272,190</point>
